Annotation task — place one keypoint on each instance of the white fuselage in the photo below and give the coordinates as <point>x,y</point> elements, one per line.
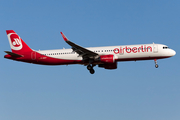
<point>121,53</point>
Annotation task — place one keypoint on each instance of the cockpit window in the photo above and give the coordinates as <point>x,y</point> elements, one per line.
<point>165,47</point>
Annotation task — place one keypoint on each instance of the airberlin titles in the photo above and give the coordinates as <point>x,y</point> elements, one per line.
<point>127,49</point>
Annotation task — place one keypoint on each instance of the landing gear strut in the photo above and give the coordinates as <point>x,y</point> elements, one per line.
<point>156,65</point>
<point>90,68</point>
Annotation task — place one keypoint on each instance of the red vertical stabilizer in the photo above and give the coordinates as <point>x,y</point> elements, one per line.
<point>17,45</point>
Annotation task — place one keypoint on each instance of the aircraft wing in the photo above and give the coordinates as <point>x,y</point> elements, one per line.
<point>85,53</point>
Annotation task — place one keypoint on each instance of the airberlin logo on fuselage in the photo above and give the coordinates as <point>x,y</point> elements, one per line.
<point>133,49</point>
<point>15,41</point>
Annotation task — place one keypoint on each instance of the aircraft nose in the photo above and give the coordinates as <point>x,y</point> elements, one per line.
<point>173,52</point>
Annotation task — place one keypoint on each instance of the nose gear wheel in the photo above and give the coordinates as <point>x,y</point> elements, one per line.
<point>156,65</point>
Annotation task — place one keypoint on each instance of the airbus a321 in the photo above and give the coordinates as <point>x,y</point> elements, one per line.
<point>104,57</point>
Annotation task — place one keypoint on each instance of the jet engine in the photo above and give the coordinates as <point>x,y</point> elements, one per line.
<point>107,58</point>
<point>108,62</point>
<point>108,65</point>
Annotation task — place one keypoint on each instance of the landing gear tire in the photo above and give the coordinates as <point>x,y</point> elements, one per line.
<point>92,71</point>
<point>156,66</point>
<point>89,67</point>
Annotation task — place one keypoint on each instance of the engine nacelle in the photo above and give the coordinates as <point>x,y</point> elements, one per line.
<point>107,58</point>
<point>108,65</point>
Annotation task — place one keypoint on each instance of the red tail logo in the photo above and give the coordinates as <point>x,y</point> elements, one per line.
<point>16,43</point>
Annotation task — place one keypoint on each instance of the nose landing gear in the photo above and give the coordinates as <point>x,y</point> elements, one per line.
<point>90,68</point>
<point>156,65</point>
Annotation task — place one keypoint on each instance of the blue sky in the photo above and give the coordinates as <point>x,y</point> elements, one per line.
<point>136,90</point>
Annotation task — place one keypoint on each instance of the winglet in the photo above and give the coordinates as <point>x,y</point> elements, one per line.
<point>64,37</point>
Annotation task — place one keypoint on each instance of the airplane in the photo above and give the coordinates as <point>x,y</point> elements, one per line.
<point>104,57</point>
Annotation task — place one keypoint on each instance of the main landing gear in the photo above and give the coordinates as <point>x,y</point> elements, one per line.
<point>90,68</point>
<point>156,65</point>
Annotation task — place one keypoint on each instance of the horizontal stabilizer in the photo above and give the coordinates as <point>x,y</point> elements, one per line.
<point>13,54</point>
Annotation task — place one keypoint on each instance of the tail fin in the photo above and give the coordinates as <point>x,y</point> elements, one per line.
<point>17,45</point>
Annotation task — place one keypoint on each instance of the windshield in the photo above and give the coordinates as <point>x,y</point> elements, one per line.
<point>165,47</point>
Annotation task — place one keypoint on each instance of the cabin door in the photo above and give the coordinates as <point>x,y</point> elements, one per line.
<point>33,55</point>
<point>155,49</point>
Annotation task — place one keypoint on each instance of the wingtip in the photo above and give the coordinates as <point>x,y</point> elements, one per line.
<point>64,37</point>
